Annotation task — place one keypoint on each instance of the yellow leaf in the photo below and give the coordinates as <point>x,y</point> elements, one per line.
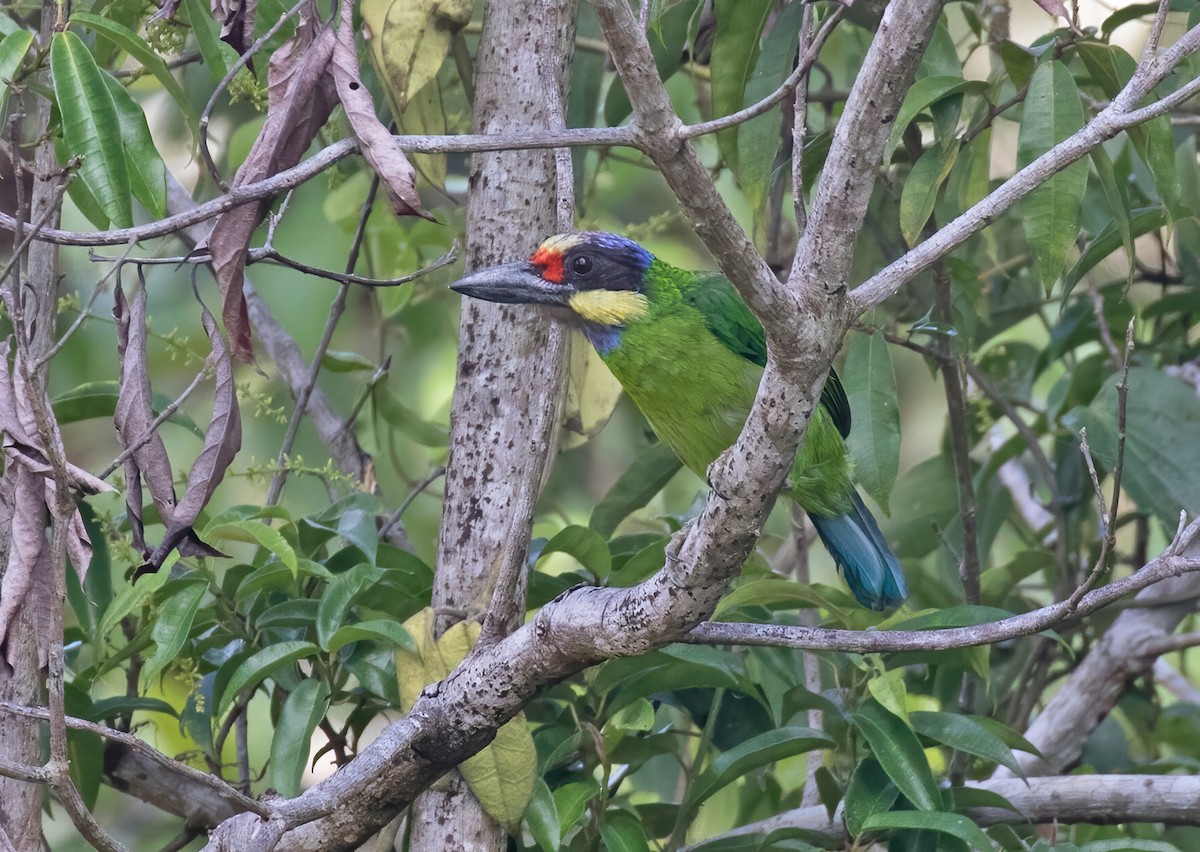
<point>501,775</point>
<point>410,665</point>
<point>887,687</point>
<point>592,394</point>
<point>409,40</point>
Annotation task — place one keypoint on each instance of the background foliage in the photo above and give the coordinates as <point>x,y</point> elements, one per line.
<point>301,629</point>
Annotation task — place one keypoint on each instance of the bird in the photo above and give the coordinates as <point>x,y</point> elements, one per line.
<point>689,354</point>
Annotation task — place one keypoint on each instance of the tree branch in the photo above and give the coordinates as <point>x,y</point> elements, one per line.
<point>1119,115</point>
<point>1098,799</point>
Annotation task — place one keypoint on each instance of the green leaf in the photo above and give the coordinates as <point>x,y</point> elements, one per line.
<point>424,432</point>
<point>963,615</point>
<point>1050,213</point>
<point>650,472</point>
<point>586,545</point>
<point>667,35</point>
<point>754,753</point>
<point>260,665</point>
<point>347,362</point>
<point>1110,67</point>
<point>870,792</point>
<point>339,596</point>
<point>377,630</point>
<point>353,518</point>
<point>133,597</point>
<point>217,55</point>
<point>107,708</point>
<point>1162,457</point>
<point>255,532</point>
<point>874,442</point>
<point>637,717</point>
<point>758,139</point>
<point>621,831</point>
<point>172,625</point>
<point>956,825</point>
<point>502,775</point>
<point>136,46</point>
<point>99,399</point>
<point>734,53</point>
<point>571,801</point>
<point>965,734</point>
<point>899,752</point>
<point>921,96</point>
<point>147,172</point>
<point>542,818</point>
<point>1018,62</point>
<point>1128,844</point>
<point>13,49</point>
<point>90,126</point>
<point>1110,239</point>
<point>775,593</point>
<point>887,687</point>
<point>292,740</point>
<point>921,189</point>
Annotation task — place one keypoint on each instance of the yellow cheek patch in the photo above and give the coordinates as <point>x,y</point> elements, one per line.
<point>609,307</point>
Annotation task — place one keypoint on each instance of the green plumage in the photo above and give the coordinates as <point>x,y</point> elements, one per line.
<point>690,355</point>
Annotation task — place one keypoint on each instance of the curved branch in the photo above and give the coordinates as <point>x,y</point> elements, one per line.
<point>878,641</point>
<point>1119,115</point>
<point>1099,799</point>
<point>308,169</point>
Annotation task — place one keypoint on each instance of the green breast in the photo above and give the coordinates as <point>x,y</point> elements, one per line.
<point>696,393</point>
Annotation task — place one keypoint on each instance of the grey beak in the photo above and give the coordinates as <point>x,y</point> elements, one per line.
<point>513,284</point>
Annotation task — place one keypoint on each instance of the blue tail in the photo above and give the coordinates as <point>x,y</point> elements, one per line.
<point>871,570</point>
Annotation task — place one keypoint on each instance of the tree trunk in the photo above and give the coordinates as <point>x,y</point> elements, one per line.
<point>510,365</point>
<point>20,739</point>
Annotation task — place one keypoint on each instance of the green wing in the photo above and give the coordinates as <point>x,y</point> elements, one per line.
<point>728,318</point>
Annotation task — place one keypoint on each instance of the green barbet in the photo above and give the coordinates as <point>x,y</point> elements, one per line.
<point>690,354</point>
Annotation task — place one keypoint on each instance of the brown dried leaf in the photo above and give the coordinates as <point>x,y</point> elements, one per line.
<point>135,412</point>
<point>1055,8</point>
<point>236,18</point>
<point>12,421</point>
<point>300,97</point>
<point>222,439</point>
<point>28,549</point>
<point>378,145</point>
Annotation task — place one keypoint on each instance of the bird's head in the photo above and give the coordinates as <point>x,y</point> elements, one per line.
<point>597,277</point>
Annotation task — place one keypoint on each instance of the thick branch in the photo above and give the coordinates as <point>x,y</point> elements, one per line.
<point>1121,114</point>
<point>1098,799</point>
<point>462,713</point>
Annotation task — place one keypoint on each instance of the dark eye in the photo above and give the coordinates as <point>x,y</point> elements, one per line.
<point>581,265</point>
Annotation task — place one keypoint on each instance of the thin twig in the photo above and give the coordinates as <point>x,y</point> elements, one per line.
<point>800,128</point>
<point>1121,114</point>
<point>393,519</point>
<point>270,254</point>
<point>1108,516</point>
<point>1106,337</point>
<point>237,66</point>
<point>335,314</point>
<point>86,309</point>
<point>162,417</point>
<point>1155,34</point>
<point>956,407</point>
<point>881,641</point>
<point>786,88</point>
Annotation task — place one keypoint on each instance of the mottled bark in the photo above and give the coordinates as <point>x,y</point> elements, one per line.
<point>510,367</point>
<point>20,739</point>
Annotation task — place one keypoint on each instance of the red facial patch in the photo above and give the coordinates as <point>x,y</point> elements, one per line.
<point>551,264</point>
